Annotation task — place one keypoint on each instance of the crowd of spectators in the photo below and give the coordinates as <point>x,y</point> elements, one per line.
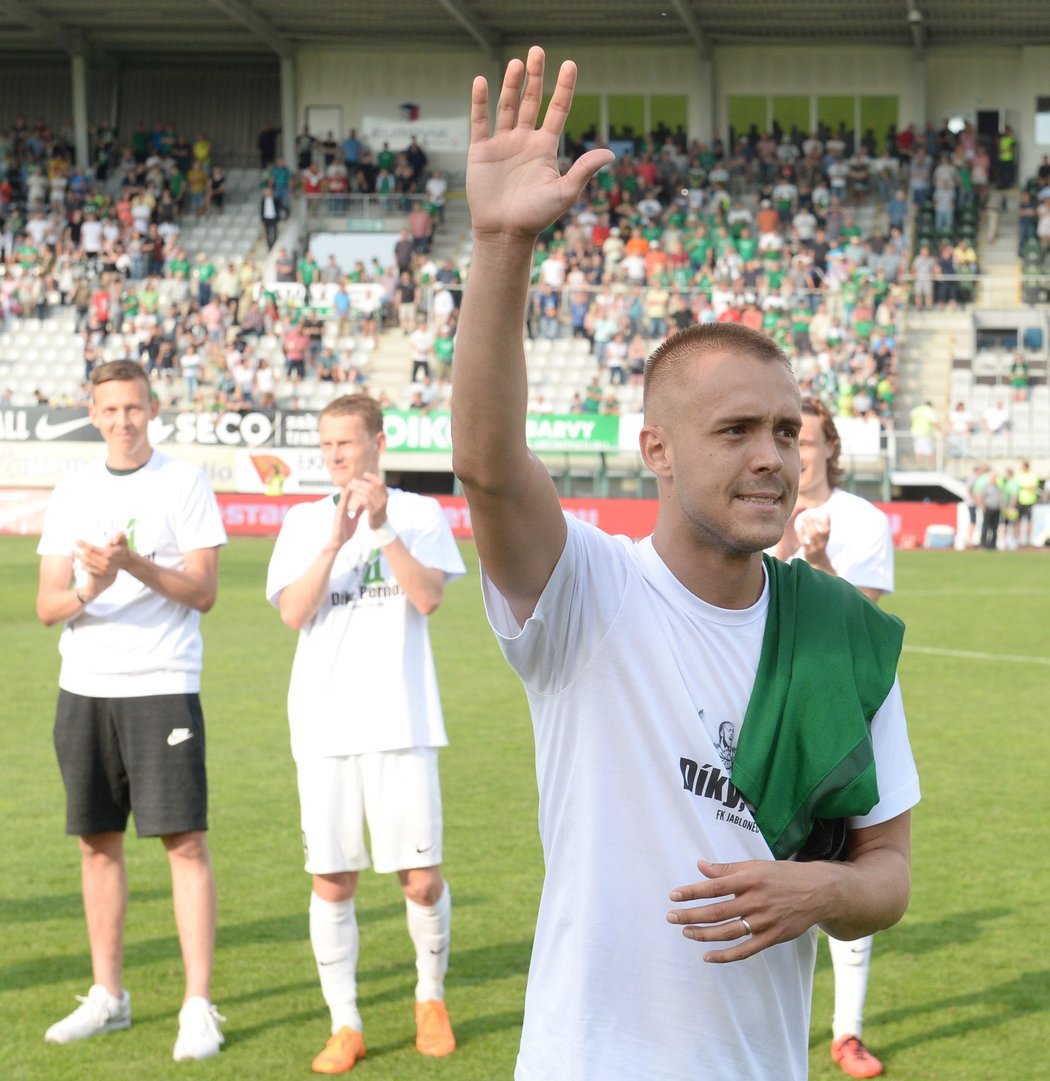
<point>817,239</point>
<point>106,243</point>
<point>801,235</point>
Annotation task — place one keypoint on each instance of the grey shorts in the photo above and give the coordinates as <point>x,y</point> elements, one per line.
<point>143,756</point>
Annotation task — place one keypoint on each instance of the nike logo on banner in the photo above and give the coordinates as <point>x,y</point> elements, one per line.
<point>46,430</point>
<point>179,735</point>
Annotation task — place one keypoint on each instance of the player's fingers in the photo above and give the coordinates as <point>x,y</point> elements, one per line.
<point>532,96</point>
<point>709,914</point>
<point>748,947</point>
<point>479,110</point>
<point>561,100</point>
<point>509,95</point>
<point>585,166</point>
<point>727,931</point>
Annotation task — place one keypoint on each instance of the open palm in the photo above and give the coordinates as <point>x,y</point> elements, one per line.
<point>514,186</point>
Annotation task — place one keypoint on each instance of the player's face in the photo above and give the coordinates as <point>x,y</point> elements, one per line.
<point>730,451</point>
<point>348,449</point>
<point>814,453</point>
<point>121,410</point>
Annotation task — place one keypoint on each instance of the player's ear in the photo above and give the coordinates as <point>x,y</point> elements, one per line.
<point>655,448</point>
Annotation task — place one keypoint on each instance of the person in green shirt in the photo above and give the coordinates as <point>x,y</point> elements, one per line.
<point>592,398</point>
<point>444,347</point>
<point>699,248</point>
<point>746,244</point>
<point>149,297</point>
<point>800,317</point>
<point>307,270</point>
<point>923,425</point>
<point>1027,497</point>
<point>203,273</point>
<point>386,158</point>
<point>179,266</point>
<point>1011,514</point>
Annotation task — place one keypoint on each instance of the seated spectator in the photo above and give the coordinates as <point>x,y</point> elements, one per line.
<point>328,369</point>
<point>996,419</point>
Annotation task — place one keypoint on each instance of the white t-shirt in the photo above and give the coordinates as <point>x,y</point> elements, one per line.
<point>437,187</point>
<point>638,690</point>
<point>91,236</point>
<point>363,678</point>
<point>421,342</point>
<point>131,640</point>
<point>860,544</point>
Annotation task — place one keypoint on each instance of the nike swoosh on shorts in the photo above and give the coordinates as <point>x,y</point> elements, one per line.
<point>179,735</point>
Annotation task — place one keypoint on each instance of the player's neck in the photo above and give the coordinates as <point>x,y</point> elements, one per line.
<point>732,580</point>
<point>118,461</point>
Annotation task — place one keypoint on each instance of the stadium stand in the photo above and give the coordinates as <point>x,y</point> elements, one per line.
<point>865,257</point>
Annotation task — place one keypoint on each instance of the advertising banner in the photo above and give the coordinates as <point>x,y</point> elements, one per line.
<point>452,134</point>
<point>43,465</point>
<point>262,515</point>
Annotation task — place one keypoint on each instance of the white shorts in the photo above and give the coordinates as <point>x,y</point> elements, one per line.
<point>396,792</point>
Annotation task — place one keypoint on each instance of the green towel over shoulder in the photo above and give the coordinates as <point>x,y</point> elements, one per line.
<point>828,661</point>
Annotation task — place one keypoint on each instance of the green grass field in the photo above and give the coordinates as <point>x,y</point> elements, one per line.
<point>960,990</point>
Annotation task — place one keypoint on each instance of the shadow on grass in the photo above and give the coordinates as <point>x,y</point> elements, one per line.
<point>60,906</point>
<point>1026,994</point>
<point>467,1029</point>
<point>954,930</point>
<point>57,969</point>
<point>469,967</point>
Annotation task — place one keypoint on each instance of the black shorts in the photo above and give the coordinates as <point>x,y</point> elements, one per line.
<point>132,755</point>
<point>1024,512</point>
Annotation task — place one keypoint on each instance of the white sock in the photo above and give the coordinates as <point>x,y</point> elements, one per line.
<point>431,932</point>
<point>850,961</point>
<point>335,939</point>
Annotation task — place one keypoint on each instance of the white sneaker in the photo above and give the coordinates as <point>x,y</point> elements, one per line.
<point>99,1012</point>
<point>199,1032</point>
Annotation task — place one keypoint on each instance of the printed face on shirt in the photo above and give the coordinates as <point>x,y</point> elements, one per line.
<point>348,449</point>
<point>814,452</point>
<point>121,410</point>
<point>729,431</point>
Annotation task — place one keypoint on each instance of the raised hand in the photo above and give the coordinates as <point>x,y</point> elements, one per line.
<point>346,520</point>
<point>514,185</point>
<point>369,493</point>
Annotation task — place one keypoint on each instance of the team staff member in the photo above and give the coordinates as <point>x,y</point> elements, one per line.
<point>129,560</point>
<point>843,535</point>
<point>357,575</point>
<point>659,675</point>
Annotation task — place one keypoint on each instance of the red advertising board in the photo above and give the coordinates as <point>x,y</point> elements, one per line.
<point>22,512</point>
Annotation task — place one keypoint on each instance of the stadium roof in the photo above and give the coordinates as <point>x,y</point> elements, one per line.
<point>130,30</point>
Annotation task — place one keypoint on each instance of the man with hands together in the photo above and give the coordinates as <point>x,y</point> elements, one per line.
<point>357,574</point>
<point>690,697</point>
<point>129,560</point>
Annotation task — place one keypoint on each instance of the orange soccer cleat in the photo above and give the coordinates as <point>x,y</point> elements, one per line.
<point>854,1058</point>
<point>433,1030</point>
<point>343,1050</point>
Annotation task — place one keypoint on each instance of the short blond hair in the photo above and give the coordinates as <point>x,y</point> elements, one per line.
<point>119,370</point>
<point>671,356</point>
<point>356,405</point>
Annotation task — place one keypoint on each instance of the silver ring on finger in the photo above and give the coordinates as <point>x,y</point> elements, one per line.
<point>747,926</point>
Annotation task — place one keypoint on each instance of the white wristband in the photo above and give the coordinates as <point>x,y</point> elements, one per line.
<point>384,535</point>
